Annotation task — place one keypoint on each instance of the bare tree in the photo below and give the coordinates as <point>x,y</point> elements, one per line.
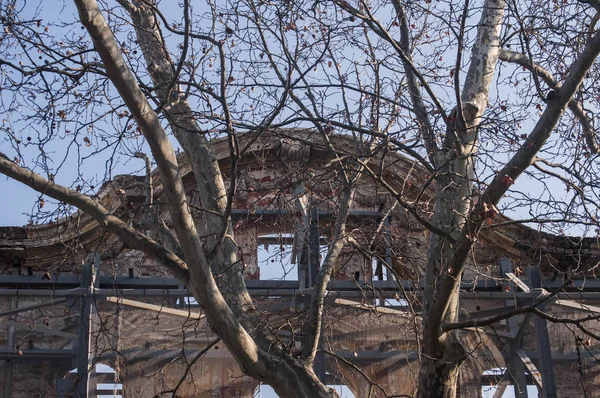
<point>392,74</point>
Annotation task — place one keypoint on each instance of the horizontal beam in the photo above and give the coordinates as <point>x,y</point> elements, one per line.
<point>373,355</point>
<point>265,213</point>
<point>38,329</point>
<point>283,240</point>
<point>33,307</point>
<point>20,292</point>
<point>359,355</point>
<point>37,354</point>
<point>336,291</point>
<point>72,281</point>
<point>61,282</point>
<point>577,305</point>
<point>69,281</point>
<point>380,310</point>
<point>152,307</point>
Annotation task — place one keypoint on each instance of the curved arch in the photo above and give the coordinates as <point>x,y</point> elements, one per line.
<point>49,243</point>
<point>104,380</point>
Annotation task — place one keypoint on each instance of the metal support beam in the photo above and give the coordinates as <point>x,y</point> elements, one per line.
<point>261,288</point>
<point>490,312</point>
<point>8,366</point>
<point>515,369</point>
<point>37,354</point>
<point>39,329</point>
<point>371,308</point>
<point>65,285</point>
<point>313,244</point>
<point>543,341</point>
<point>84,363</point>
<point>299,251</point>
<point>303,267</point>
<point>387,237</point>
<point>579,306</point>
<point>32,307</point>
<point>370,356</point>
<point>282,240</point>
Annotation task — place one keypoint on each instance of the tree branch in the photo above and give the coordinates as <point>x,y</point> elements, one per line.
<point>315,316</point>
<point>201,282</point>
<point>106,220</point>
<point>574,105</point>
<point>413,85</point>
<point>524,157</point>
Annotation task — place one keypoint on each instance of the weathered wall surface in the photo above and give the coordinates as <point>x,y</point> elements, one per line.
<point>150,351</point>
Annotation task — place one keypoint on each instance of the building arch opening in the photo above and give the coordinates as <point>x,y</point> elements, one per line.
<point>266,391</point>
<point>104,381</point>
<point>493,383</point>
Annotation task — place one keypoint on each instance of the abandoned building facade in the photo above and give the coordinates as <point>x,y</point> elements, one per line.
<point>77,304</point>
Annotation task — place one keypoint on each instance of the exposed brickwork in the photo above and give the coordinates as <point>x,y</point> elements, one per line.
<point>145,346</point>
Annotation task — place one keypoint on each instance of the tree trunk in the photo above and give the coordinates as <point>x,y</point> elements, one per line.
<point>441,352</point>
<point>439,374</point>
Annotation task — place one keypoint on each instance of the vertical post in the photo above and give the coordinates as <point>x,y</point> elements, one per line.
<point>8,369</point>
<point>543,340</point>
<point>515,368</point>
<point>303,266</point>
<point>387,237</point>
<point>313,244</point>
<point>84,376</point>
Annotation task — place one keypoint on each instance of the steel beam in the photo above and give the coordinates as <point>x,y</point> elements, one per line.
<point>314,249</point>
<point>37,329</point>
<point>383,289</point>
<point>37,354</point>
<point>264,213</point>
<point>543,341</point>
<point>579,306</point>
<point>283,240</point>
<point>85,328</point>
<point>515,369</point>
<point>361,355</point>
<point>61,283</point>
<point>334,289</point>
<point>8,366</point>
<point>488,313</point>
<point>374,356</point>
<point>32,307</point>
<point>370,308</point>
<point>40,292</point>
<point>387,238</point>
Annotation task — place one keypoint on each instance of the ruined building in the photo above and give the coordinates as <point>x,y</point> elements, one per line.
<point>73,297</point>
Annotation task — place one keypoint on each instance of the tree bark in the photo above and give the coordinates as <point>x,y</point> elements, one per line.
<point>288,376</point>
<point>441,353</point>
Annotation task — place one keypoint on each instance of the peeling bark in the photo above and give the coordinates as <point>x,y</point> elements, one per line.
<point>288,376</point>
<point>441,354</point>
<point>440,303</point>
